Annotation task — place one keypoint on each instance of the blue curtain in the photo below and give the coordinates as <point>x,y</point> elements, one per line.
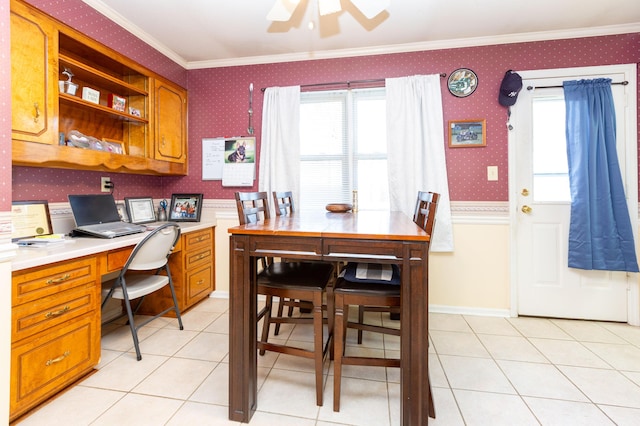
<point>600,233</point>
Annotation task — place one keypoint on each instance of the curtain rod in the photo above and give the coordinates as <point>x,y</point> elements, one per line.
<point>624,83</point>
<point>348,83</point>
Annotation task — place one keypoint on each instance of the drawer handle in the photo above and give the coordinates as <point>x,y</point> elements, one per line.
<point>59,280</point>
<point>60,358</point>
<point>202,256</point>
<point>37,114</point>
<point>57,313</point>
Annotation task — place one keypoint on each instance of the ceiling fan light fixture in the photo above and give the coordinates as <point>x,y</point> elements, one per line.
<point>282,10</point>
<point>327,7</point>
<point>371,8</point>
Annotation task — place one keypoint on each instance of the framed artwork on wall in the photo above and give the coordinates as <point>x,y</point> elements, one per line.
<point>462,82</point>
<point>467,133</point>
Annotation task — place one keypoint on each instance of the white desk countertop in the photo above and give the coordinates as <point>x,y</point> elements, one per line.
<point>30,257</point>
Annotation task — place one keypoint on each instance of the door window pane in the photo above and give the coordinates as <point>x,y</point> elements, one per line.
<point>550,167</point>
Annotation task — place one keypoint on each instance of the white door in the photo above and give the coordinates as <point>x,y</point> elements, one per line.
<point>540,202</point>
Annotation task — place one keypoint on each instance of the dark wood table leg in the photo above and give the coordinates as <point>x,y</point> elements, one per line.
<point>243,370</point>
<point>414,340</point>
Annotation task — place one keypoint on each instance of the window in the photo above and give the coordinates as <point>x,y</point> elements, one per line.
<point>550,167</point>
<point>343,147</point>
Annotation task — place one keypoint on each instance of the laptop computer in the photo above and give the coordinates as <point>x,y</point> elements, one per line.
<point>96,215</point>
<point>141,210</point>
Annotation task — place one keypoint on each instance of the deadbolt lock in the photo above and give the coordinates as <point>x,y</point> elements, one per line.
<point>525,192</point>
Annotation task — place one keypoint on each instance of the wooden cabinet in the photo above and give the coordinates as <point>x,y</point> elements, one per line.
<point>170,108</point>
<point>34,108</point>
<point>192,270</point>
<point>149,130</point>
<point>55,329</point>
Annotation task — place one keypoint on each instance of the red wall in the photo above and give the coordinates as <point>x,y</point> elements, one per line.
<point>219,100</point>
<point>218,103</point>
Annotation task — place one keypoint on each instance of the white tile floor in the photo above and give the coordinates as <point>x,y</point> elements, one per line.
<point>484,371</point>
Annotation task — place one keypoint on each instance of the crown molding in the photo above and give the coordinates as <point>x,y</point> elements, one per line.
<point>420,46</point>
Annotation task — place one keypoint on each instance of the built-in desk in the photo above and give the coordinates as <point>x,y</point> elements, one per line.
<point>55,299</point>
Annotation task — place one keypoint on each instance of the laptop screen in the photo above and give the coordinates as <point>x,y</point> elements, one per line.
<point>94,208</point>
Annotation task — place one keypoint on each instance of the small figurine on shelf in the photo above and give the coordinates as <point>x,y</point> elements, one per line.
<point>67,86</point>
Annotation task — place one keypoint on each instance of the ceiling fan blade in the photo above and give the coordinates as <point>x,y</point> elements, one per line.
<point>371,8</point>
<point>282,10</point>
<point>327,7</point>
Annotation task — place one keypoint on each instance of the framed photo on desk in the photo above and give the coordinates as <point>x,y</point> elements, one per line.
<point>185,207</point>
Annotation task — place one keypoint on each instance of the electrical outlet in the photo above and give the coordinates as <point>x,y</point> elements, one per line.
<point>105,184</point>
<point>492,173</point>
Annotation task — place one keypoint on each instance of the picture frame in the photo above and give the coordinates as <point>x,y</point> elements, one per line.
<point>122,211</point>
<point>185,208</point>
<point>140,209</point>
<point>116,102</point>
<point>467,133</point>
<point>30,219</point>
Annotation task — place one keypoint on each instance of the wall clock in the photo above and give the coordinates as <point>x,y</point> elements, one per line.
<point>462,82</point>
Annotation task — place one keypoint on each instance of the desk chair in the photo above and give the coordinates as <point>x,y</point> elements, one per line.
<point>349,290</point>
<point>288,281</point>
<point>149,255</point>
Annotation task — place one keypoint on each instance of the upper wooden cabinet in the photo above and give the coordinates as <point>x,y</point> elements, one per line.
<point>147,136</point>
<point>170,122</point>
<point>33,91</point>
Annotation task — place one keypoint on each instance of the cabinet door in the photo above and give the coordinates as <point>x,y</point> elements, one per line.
<point>171,122</point>
<point>34,77</point>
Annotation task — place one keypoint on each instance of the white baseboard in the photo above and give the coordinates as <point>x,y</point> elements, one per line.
<point>468,310</point>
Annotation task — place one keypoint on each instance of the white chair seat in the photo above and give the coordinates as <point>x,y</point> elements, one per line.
<point>138,285</point>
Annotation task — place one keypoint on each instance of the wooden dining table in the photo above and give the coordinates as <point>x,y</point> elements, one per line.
<point>365,236</point>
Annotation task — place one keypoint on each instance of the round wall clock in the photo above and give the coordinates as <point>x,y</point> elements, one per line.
<point>462,82</point>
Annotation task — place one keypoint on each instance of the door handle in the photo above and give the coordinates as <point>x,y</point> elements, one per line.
<point>526,209</point>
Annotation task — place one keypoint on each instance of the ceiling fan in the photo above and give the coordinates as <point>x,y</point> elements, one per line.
<point>282,10</point>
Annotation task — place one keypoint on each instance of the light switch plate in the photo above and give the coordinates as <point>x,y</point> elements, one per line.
<point>492,173</point>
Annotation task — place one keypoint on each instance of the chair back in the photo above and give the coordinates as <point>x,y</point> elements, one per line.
<point>425,212</point>
<point>283,202</point>
<point>252,207</point>
<point>154,250</point>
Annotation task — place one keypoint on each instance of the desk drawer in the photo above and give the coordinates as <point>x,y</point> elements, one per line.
<point>51,279</point>
<point>199,284</point>
<point>194,258</point>
<point>45,365</point>
<point>48,312</point>
<point>198,239</point>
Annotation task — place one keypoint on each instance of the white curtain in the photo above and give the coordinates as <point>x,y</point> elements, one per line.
<point>280,147</point>
<point>415,153</point>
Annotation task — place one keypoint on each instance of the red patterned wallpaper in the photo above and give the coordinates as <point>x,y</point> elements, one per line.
<point>218,99</point>
<point>218,103</point>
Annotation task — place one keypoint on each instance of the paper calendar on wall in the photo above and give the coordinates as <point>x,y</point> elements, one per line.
<point>232,160</point>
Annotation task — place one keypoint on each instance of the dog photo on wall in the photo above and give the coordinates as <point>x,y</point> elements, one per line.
<point>239,151</point>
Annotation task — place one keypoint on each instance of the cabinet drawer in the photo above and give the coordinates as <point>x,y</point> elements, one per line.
<point>51,279</point>
<point>199,283</point>
<point>117,258</point>
<point>194,258</point>
<point>43,366</point>
<point>43,314</point>
<point>198,239</point>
